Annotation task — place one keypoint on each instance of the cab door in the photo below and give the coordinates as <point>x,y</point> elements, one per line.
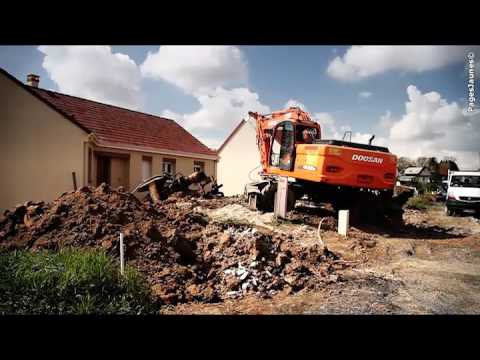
<point>282,150</point>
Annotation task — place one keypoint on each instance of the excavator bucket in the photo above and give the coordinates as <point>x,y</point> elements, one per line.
<point>162,186</point>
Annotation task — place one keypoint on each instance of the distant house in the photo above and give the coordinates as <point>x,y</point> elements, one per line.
<point>419,174</point>
<point>50,141</point>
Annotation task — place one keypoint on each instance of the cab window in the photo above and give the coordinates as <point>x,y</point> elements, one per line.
<point>283,146</point>
<point>306,135</point>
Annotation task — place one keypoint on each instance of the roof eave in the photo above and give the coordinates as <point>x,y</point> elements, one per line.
<point>128,147</point>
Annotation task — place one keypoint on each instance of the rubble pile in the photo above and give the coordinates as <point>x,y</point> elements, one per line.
<point>184,255</point>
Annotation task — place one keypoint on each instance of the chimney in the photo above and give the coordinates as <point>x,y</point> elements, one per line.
<point>33,80</point>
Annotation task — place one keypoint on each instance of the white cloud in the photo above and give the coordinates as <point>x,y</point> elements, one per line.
<point>295,103</point>
<point>331,130</point>
<point>94,72</point>
<point>220,111</point>
<point>197,69</point>
<point>386,121</point>
<point>431,126</point>
<point>213,75</point>
<point>437,128</point>
<point>360,62</point>
<point>365,94</point>
<point>328,125</point>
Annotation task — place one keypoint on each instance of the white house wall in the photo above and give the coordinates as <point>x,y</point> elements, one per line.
<point>237,159</point>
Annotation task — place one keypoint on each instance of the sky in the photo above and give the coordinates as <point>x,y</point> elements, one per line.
<point>413,98</point>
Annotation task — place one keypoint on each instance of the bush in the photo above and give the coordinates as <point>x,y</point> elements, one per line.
<point>420,202</point>
<point>423,188</point>
<point>431,187</point>
<point>69,282</point>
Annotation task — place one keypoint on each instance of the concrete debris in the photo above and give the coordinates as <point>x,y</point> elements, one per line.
<point>240,214</point>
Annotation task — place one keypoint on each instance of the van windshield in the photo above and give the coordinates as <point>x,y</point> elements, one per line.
<point>465,181</point>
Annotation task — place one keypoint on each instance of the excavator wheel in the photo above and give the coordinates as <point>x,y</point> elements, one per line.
<point>291,200</point>
<point>354,202</point>
<point>393,209</point>
<point>365,207</point>
<point>266,201</point>
<point>368,208</point>
<point>355,212</point>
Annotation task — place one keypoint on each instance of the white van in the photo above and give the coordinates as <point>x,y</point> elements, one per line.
<point>463,193</point>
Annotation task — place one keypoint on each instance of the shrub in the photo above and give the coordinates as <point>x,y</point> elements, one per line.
<point>423,188</point>
<point>420,202</point>
<point>70,282</point>
<point>430,187</point>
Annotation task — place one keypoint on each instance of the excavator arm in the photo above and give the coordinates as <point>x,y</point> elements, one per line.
<point>264,139</point>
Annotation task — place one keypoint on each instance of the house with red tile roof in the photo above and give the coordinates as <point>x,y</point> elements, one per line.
<point>52,142</point>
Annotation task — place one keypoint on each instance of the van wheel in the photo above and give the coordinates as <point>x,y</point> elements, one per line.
<point>449,211</point>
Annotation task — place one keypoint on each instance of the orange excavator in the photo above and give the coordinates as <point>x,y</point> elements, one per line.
<point>348,175</point>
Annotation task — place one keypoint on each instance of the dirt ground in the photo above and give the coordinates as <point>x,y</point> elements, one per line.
<point>429,266</point>
<point>215,256</point>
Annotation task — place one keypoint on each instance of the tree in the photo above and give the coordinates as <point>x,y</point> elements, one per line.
<point>433,166</point>
<point>421,161</point>
<point>446,165</point>
<point>449,159</point>
<point>404,162</point>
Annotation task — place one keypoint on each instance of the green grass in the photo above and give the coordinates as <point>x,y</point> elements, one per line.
<point>70,282</point>
<point>420,202</point>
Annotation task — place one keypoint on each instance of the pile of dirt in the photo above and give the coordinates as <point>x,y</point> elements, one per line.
<point>185,256</point>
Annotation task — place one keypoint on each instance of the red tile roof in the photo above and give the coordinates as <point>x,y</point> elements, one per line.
<point>113,124</point>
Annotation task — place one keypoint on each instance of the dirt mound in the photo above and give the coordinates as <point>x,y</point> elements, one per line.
<point>185,256</point>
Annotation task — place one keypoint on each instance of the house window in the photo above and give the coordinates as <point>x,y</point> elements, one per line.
<point>169,166</point>
<point>146,167</point>
<point>198,166</point>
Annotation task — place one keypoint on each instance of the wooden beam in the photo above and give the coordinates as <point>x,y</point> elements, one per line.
<point>112,154</point>
<point>74,178</point>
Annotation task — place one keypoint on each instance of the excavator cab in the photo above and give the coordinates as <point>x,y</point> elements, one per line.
<point>282,152</point>
<point>285,136</point>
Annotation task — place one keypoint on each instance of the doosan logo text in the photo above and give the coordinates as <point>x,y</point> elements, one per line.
<point>371,159</point>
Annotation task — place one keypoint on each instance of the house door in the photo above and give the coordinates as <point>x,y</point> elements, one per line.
<point>146,167</point>
<point>103,170</point>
